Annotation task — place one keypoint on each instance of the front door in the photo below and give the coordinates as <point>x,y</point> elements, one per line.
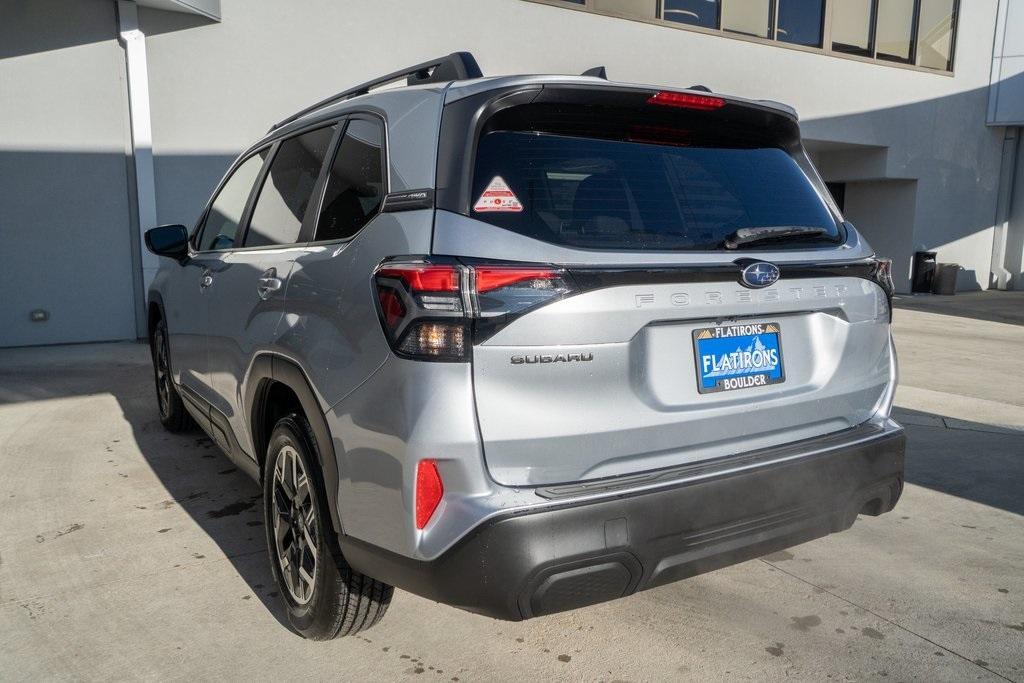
<point>247,296</point>
<point>187,299</point>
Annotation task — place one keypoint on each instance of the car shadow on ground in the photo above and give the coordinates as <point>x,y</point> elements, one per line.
<point>225,503</point>
<point>991,306</point>
<point>971,460</point>
<point>222,501</point>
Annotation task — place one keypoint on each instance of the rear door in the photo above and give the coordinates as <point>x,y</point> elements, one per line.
<point>332,322</point>
<point>663,353</point>
<point>247,294</point>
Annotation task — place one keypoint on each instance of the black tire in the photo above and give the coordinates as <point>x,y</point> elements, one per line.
<point>173,415</point>
<point>330,599</point>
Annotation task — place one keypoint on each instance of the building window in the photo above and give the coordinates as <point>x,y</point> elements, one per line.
<point>895,30</point>
<point>801,22</point>
<point>935,34</point>
<point>916,32</point>
<point>641,9</point>
<point>694,12</point>
<point>750,17</point>
<point>852,27</point>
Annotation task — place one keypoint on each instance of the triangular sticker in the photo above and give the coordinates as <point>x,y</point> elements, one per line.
<point>498,197</point>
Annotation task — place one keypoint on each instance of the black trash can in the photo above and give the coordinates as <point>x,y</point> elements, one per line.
<point>945,278</point>
<point>924,272</point>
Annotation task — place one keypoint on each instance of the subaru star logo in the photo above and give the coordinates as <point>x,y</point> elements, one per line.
<point>758,275</point>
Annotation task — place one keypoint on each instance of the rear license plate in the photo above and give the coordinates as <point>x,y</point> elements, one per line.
<point>738,356</point>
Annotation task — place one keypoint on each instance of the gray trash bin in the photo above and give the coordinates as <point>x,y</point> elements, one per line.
<point>944,281</point>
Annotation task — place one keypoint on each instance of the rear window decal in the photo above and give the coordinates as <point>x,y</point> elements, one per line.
<point>498,197</point>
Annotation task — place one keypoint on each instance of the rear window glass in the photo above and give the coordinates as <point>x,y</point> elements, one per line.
<point>654,191</point>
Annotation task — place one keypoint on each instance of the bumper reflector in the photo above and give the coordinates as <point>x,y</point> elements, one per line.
<point>429,491</point>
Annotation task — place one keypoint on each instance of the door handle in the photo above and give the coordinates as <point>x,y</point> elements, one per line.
<point>206,280</point>
<point>268,283</point>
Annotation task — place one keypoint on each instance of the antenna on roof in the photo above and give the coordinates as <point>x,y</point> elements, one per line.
<point>454,67</point>
<point>701,88</point>
<point>596,72</point>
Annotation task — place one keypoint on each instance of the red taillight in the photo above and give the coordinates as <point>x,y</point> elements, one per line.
<point>429,491</point>
<point>687,100</point>
<point>424,277</point>
<point>490,278</point>
<point>435,311</point>
<point>391,307</point>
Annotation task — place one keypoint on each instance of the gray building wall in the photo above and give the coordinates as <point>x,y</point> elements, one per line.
<point>922,167</point>
<point>1006,99</point>
<point>216,87</point>
<point>1006,107</point>
<point>65,215</point>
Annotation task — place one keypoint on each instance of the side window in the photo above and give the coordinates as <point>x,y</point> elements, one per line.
<point>355,184</point>
<point>221,226</point>
<point>282,202</point>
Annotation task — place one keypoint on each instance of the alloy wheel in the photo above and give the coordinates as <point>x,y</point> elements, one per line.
<point>163,373</point>
<point>295,525</point>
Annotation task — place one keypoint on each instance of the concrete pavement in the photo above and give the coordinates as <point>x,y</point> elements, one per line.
<point>129,553</point>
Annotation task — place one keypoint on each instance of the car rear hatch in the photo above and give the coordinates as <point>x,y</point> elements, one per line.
<point>655,328</point>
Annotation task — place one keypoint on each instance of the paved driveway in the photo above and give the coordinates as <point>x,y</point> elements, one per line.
<point>126,552</point>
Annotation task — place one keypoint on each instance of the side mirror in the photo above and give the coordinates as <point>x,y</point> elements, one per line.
<point>168,240</point>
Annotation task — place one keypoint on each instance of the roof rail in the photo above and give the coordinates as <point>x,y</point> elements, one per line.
<point>454,67</point>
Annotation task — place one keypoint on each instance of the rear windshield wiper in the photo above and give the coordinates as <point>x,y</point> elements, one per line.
<point>745,236</point>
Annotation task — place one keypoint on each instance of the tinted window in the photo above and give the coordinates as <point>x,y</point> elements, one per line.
<point>277,217</point>
<point>616,194</point>
<point>800,22</point>
<point>694,12</point>
<point>222,221</point>
<point>355,184</point>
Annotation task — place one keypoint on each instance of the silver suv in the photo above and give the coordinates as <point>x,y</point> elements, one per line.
<point>529,343</point>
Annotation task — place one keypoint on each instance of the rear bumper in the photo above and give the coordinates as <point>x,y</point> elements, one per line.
<point>577,553</point>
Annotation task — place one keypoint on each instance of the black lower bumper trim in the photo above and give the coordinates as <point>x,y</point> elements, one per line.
<point>558,558</point>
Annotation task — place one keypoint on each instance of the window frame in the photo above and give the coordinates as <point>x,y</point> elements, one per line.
<point>321,189</point>
<point>200,227</point>
<point>250,203</point>
<point>869,57</point>
<point>301,240</point>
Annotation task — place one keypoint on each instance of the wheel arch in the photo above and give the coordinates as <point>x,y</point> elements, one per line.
<point>275,384</point>
<point>154,312</point>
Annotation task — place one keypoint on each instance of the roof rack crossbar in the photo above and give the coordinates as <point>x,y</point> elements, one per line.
<point>454,67</point>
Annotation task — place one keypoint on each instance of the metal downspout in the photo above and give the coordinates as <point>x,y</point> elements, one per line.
<point>134,42</point>
<point>1001,276</point>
